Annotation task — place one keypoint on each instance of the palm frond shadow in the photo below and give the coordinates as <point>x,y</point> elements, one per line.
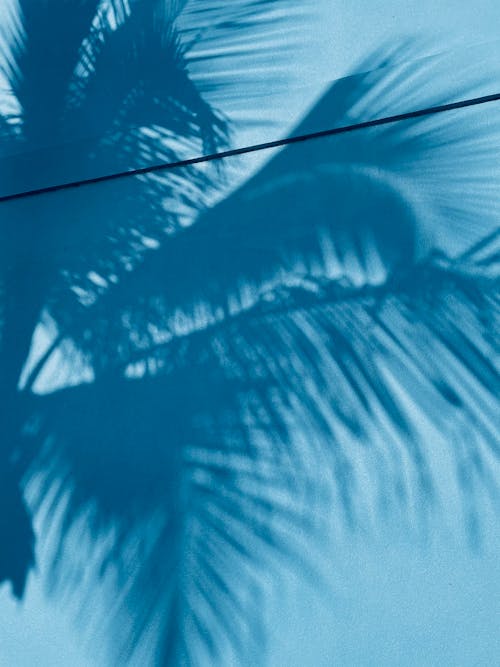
<point>330,367</point>
<point>92,86</point>
<point>207,477</point>
<point>56,104</point>
<point>222,385</point>
<point>44,67</point>
<point>196,505</point>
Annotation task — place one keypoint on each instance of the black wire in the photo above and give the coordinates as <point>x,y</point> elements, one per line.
<point>462,104</point>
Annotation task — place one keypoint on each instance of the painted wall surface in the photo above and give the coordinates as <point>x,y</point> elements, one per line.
<point>250,404</point>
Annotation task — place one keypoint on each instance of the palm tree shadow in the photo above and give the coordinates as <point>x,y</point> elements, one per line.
<point>222,385</point>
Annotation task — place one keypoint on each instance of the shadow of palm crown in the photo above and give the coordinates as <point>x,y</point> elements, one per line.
<point>246,368</point>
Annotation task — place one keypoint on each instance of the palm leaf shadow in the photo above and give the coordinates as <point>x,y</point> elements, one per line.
<point>231,464</point>
<point>196,503</point>
<point>58,68</point>
<point>40,78</point>
<point>323,341</point>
